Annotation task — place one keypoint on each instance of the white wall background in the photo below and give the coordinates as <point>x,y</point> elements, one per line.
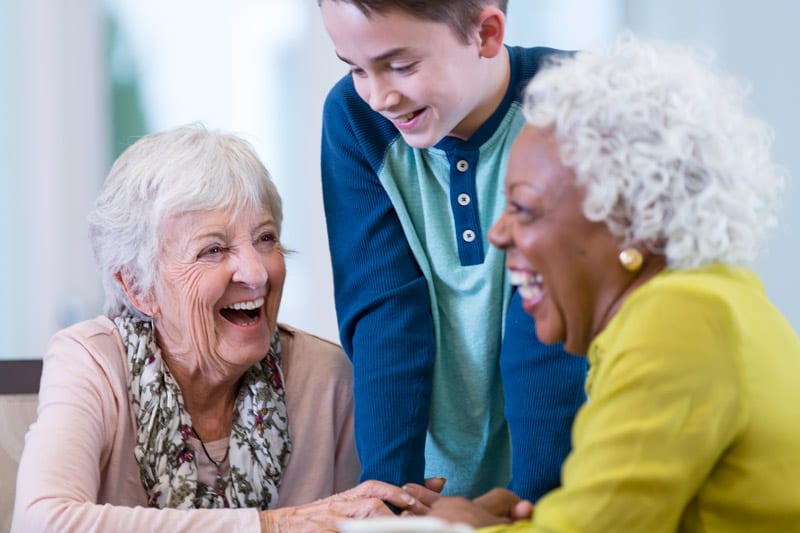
<point>262,68</point>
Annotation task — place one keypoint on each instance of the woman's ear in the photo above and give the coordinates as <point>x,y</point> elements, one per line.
<point>143,303</point>
<point>491,31</point>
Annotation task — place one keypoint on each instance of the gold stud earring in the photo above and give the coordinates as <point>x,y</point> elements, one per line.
<point>631,259</point>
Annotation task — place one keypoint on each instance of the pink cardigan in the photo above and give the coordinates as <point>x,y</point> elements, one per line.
<point>78,472</point>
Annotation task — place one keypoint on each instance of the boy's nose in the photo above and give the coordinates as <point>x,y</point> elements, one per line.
<point>250,269</point>
<point>382,96</point>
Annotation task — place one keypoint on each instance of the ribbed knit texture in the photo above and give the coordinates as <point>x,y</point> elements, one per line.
<point>399,264</point>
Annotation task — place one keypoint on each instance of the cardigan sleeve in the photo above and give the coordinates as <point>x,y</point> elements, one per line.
<point>68,453</point>
<point>319,400</point>
<point>382,299</point>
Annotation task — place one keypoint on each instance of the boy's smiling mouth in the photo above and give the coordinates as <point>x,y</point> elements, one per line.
<point>408,117</point>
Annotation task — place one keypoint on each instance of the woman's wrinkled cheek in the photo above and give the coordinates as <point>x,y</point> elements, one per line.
<point>198,315</point>
<point>188,315</point>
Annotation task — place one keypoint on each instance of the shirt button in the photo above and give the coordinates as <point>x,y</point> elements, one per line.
<point>468,235</point>
<point>464,199</point>
<point>462,165</point>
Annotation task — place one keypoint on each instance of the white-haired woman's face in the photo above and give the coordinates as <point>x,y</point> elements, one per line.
<point>219,287</point>
<point>563,264</point>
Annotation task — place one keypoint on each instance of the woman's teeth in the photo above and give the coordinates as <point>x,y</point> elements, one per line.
<point>530,292</point>
<point>530,284</point>
<point>247,306</point>
<point>524,278</point>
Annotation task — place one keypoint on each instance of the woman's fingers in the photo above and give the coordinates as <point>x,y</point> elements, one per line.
<point>464,511</point>
<point>522,510</point>
<point>504,503</point>
<point>323,515</point>
<point>386,492</point>
<point>423,495</point>
<point>411,498</point>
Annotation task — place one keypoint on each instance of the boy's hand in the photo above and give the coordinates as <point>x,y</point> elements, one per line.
<point>424,496</point>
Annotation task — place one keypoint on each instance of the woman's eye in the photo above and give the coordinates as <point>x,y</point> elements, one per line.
<point>513,208</point>
<point>519,211</point>
<point>211,251</point>
<point>267,239</point>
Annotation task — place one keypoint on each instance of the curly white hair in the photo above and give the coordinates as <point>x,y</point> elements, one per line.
<point>668,153</point>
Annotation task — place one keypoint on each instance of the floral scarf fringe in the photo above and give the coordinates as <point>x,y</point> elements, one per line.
<point>260,443</point>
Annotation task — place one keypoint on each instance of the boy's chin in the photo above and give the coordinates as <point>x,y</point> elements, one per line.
<point>418,141</point>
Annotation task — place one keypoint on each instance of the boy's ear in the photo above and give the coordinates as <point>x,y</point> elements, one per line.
<point>139,301</point>
<point>491,31</point>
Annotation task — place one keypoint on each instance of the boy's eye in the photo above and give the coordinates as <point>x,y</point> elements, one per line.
<point>355,71</point>
<point>402,69</point>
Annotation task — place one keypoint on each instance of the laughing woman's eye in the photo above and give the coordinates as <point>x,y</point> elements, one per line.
<point>520,211</point>
<point>267,240</point>
<point>211,252</point>
<point>514,207</point>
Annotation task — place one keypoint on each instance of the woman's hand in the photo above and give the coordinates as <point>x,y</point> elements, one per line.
<point>498,506</point>
<point>506,504</point>
<point>363,501</point>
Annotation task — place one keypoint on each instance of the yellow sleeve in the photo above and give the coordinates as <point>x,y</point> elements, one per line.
<point>663,405</point>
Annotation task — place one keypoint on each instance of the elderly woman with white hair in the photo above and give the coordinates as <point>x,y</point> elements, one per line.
<point>187,406</point>
<point>638,193</point>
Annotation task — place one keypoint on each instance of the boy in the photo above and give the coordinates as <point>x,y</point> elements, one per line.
<point>414,144</point>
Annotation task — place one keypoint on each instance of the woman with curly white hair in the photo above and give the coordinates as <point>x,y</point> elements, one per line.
<point>638,193</point>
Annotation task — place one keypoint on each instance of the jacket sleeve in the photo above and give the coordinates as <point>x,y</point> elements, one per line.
<point>382,299</point>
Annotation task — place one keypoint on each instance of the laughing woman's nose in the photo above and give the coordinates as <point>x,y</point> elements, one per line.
<point>498,233</point>
<point>249,268</point>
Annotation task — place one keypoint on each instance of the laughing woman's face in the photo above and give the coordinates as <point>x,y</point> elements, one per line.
<point>219,285</point>
<point>564,265</point>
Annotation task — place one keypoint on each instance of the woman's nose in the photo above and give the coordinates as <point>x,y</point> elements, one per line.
<point>498,233</point>
<point>250,268</point>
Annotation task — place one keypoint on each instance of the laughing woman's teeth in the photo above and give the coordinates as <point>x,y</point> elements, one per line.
<point>258,302</point>
<point>530,285</point>
<point>530,292</point>
<point>519,278</point>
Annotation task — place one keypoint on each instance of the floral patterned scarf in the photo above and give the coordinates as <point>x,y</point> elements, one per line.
<point>259,444</point>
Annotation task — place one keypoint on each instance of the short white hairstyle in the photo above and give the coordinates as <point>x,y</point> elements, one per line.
<point>667,151</point>
<point>186,169</point>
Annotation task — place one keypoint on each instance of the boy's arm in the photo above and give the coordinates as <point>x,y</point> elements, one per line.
<point>543,387</point>
<point>382,303</point>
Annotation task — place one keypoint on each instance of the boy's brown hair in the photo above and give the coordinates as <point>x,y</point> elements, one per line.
<point>458,14</point>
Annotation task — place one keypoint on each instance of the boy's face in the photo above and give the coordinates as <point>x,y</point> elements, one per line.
<point>418,74</point>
